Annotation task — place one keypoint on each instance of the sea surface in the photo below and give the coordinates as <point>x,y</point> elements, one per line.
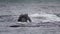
<point>45,16</point>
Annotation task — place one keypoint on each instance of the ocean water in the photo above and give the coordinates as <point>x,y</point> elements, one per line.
<point>44,13</point>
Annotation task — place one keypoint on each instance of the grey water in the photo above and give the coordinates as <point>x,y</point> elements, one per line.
<point>48,12</point>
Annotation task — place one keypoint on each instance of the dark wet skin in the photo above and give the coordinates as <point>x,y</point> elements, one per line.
<point>24,18</point>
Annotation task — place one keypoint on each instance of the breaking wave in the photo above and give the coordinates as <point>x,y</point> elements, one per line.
<point>45,17</point>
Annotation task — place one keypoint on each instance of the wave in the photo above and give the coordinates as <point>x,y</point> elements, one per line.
<point>45,17</point>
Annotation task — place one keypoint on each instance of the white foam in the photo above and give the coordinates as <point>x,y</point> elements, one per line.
<point>49,17</point>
